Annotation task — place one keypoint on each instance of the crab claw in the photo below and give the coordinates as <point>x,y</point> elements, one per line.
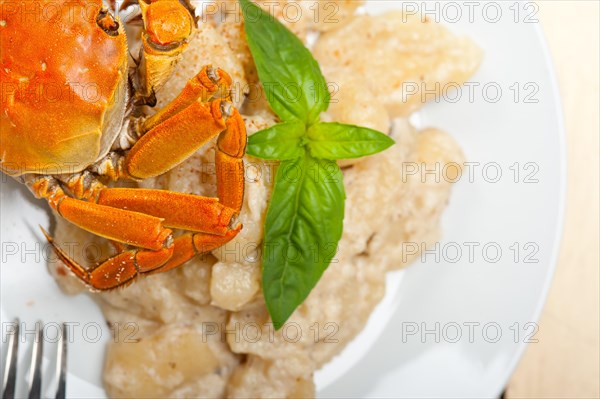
<point>168,26</point>
<point>168,23</point>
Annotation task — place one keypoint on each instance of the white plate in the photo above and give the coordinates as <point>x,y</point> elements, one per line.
<point>473,296</point>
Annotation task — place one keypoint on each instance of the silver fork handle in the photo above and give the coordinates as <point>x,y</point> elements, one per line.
<point>35,379</point>
<point>9,378</point>
<point>10,371</point>
<point>62,364</point>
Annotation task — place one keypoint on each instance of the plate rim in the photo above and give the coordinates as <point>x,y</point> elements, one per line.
<point>562,203</point>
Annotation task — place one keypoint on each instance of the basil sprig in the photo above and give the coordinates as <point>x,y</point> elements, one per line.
<point>306,212</point>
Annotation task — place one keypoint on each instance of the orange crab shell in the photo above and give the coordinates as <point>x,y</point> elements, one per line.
<point>64,86</point>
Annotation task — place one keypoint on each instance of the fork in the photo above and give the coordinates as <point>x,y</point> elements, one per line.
<point>35,371</point>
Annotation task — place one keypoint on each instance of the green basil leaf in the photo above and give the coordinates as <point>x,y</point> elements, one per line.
<point>340,141</point>
<point>291,77</point>
<point>303,227</point>
<point>279,142</point>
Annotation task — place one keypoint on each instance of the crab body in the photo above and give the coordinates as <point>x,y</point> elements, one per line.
<point>67,126</point>
<point>64,87</point>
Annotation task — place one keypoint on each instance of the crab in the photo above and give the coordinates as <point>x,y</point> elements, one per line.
<point>73,119</point>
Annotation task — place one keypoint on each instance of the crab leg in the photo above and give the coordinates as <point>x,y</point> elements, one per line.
<point>175,140</point>
<point>158,252</point>
<point>116,271</point>
<point>206,85</point>
<point>178,210</point>
<point>191,244</point>
<point>124,267</point>
<point>120,225</point>
<point>128,227</point>
<point>212,220</point>
<point>231,147</point>
<point>185,125</point>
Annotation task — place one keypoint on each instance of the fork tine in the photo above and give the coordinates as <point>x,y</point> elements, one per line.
<point>10,371</point>
<point>62,364</point>
<point>35,384</point>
